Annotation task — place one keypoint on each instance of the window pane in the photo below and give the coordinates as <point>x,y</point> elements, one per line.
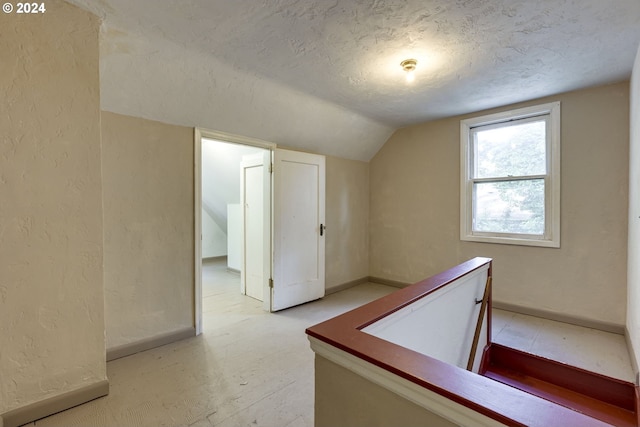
<point>509,207</point>
<point>510,150</point>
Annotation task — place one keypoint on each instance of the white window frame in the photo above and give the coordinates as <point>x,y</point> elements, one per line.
<point>551,236</point>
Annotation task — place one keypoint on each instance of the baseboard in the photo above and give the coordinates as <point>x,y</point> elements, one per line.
<point>388,282</point>
<point>149,343</point>
<point>345,286</point>
<point>559,317</point>
<point>53,405</point>
<point>366,279</point>
<point>214,258</point>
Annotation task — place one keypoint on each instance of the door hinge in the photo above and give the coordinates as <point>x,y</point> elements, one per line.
<point>271,283</point>
<point>271,168</point>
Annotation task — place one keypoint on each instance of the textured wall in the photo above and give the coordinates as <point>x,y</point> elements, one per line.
<point>51,291</point>
<point>343,398</point>
<point>347,216</point>
<point>633,263</point>
<point>414,217</point>
<point>147,170</point>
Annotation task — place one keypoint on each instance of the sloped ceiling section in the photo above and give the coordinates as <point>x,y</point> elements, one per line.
<point>160,80</point>
<point>324,75</point>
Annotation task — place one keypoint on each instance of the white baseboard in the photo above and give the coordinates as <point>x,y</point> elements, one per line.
<point>560,317</point>
<point>214,258</point>
<point>53,405</point>
<point>149,343</point>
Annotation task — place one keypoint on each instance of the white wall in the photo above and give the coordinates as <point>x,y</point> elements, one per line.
<point>234,237</point>
<point>214,238</point>
<point>51,274</point>
<point>633,260</point>
<point>220,187</point>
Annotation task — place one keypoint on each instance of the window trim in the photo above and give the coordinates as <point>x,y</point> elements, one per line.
<point>551,237</point>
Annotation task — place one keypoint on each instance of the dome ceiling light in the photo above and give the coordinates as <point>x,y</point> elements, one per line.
<point>409,65</point>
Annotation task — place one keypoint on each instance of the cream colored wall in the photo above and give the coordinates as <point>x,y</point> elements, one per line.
<point>343,398</point>
<point>51,293</point>
<point>633,262</point>
<point>347,216</point>
<point>147,170</point>
<point>414,217</point>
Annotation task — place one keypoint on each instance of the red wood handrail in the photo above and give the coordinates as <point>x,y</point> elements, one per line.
<point>505,404</point>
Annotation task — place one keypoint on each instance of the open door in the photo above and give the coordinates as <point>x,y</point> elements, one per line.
<point>255,201</point>
<point>299,228</point>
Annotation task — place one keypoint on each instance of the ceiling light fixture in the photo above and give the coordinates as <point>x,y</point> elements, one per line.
<point>409,65</point>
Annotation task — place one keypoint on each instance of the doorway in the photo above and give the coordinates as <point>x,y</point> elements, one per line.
<point>282,222</point>
<point>225,165</point>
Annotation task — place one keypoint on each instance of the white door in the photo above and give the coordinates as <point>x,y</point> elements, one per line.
<point>298,233</point>
<point>255,200</point>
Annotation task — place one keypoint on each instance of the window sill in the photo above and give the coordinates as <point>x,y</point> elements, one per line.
<point>511,241</point>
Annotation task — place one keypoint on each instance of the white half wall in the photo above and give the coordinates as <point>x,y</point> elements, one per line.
<point>633,250</point>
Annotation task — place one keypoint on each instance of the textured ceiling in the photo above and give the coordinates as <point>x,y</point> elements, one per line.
<point>472,54</point>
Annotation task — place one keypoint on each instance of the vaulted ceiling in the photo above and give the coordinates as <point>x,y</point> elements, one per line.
<point>324,75</point>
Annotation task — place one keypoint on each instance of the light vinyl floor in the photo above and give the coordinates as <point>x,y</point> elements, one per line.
<point>252,368</point>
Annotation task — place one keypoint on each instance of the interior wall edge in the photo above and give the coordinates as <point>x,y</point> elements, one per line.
<point>560,317</point>
<point>53,405</point>
<point>149,343</point>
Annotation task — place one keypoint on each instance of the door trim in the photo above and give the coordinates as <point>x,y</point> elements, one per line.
<point>200,133</point>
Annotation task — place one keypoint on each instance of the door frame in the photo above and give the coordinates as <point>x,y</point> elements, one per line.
<point>200,133</point>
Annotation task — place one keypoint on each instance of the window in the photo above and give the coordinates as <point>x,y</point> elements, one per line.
<point>510,177</point>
